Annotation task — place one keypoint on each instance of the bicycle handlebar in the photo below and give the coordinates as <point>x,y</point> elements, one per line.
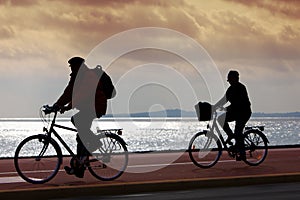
<point>218,108</point>
<point>49,109</point>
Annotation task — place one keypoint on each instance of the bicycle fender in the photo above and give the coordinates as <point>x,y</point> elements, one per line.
<point>201,133</point>
<point>116,137</point>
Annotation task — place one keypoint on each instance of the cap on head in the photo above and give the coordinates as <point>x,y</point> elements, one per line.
<point>76,61</point>
<point>233,74</point>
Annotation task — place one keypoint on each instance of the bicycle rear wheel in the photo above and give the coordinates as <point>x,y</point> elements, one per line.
<point>256,145</point>
<point>110,160</point>
<point>37,159</point>
<point>205,149</point>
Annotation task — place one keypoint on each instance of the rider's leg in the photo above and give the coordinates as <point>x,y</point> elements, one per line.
<point>83,122</point>
<point>77,168</point>
<point>81,150</point>
<point>223,120</point>
<point>239,128</point>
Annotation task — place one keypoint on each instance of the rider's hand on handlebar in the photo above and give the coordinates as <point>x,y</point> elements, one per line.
<point>214,108</point>
<point>49,109</point>
<point>220,108</point>
<point>65,108</point>
<point>55,108</point>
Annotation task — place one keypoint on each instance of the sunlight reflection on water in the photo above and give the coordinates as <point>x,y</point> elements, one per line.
<point>145,135</point>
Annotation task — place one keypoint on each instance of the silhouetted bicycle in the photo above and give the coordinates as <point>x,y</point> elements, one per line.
<point>38,157</point>
<point>205,147</point>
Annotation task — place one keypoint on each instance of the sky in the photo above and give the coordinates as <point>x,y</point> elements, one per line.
<point>259,38</point>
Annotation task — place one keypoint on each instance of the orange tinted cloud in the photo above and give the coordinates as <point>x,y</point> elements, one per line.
<point>78,26</point>
<point>258,38</point>
<point>287,8</point>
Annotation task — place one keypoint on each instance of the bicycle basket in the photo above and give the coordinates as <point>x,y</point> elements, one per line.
<point>203,110</point>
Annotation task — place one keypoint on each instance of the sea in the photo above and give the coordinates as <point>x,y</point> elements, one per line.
<point>144,134</point>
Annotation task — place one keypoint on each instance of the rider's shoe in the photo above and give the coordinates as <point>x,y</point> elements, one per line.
<point>80,172</point>
<point>69,170</point>
<point>241,157</point>
<point>77,172</point>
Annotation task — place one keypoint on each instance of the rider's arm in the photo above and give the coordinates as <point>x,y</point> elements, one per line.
<point>66,97</point>
<point>65,108</point>
<point>221,102</point>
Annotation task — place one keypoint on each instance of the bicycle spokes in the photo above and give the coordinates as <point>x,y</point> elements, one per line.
<point>110,160</point>
<point>37,160</point>
<point>256,147</point>
<point>204,150</point>
<point>109,145</point>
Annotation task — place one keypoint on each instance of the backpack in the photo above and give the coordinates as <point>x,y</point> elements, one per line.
<point>108,87</point>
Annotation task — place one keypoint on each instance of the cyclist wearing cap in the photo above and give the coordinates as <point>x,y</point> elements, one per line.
<point>239,111</point>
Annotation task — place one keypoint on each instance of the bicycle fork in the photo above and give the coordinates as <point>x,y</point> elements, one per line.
<point>45,147</point>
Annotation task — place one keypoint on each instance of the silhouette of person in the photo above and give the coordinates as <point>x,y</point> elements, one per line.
<point>85,94</point>
<point>239,111</point>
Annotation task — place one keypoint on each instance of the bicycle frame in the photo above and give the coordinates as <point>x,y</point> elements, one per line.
<point>221,138</point>
<point>214,126</point>
<point>206,147</point>
<point>52,130</point>
<point>108,163</point>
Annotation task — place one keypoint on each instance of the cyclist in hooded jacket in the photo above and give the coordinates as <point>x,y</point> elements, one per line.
<point>85,93</point>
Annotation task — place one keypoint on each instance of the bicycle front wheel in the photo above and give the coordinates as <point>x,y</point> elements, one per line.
<point>205,149</point>
<point>37,159</point>
<point>256,145</point>
<point>110,160</point>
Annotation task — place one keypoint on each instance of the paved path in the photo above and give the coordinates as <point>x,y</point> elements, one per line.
<point>158,171</point>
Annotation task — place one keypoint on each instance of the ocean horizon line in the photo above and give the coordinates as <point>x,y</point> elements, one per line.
<point>167,114</point>
<point>65,119</point>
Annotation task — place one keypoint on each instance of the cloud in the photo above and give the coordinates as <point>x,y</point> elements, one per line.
<point>246,37</point>
<point>23,3</point>
<point>124,3</point>
<point>78,26</point>
<point>258,37</point>
<point>285,8</point>
<point>6,32</point>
